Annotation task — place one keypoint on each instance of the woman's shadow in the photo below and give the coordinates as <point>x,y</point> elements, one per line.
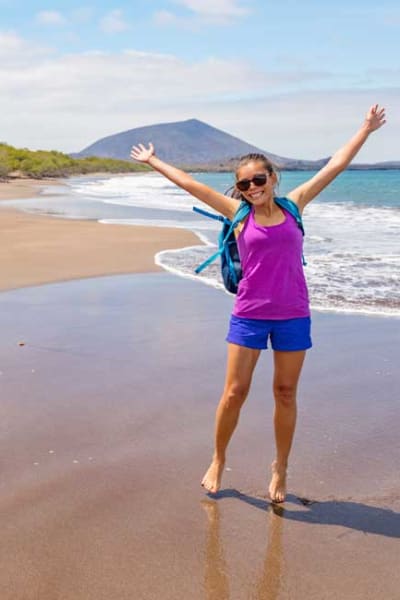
<point>345,513</point>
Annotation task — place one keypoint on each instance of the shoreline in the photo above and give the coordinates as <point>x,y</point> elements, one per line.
<point>39,249</point>
<point>23,188</point>
<point>34,239</point>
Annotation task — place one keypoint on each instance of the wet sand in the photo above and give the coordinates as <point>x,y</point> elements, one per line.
<point>38,249</point>
<point>14,189</point>
<point>109,387</point>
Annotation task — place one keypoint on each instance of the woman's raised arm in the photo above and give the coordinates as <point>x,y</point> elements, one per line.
<point>305,192</point>
<point>222,204</point>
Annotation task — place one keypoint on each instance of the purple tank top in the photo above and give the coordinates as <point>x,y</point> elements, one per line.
<point>273,284</point>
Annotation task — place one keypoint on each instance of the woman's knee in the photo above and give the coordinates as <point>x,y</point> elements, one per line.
<point>235,393</point>
<point>285,393</point>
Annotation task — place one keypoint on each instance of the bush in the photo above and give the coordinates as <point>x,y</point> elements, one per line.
<point>41,163</point>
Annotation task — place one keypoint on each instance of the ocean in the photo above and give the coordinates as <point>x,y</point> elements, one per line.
<point>352,243</point>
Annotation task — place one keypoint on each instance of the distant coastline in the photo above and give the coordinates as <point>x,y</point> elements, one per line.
<point>200,156</point>
<point>21,176</point>
<point>228,168</point>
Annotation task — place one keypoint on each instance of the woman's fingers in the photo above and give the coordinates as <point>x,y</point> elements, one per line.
<point>141,153</point>
<point>376,117</point>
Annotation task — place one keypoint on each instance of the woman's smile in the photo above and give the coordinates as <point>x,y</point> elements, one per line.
<point>256,194</point>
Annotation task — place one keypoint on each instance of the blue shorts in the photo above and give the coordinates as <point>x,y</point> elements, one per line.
<point>286,335</point>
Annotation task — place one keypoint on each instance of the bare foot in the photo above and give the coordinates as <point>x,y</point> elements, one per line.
<point>212,479</point>
<point>277,487</point>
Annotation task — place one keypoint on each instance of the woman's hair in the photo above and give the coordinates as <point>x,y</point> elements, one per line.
<point>255,157</point>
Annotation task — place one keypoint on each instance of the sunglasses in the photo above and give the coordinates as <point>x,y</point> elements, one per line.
<point>244,184</point>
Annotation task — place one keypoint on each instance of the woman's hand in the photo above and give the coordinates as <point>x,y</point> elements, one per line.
<point>141,153</point>
<point>306,191</point>
<point>222,204</point>
<point>375,118</point>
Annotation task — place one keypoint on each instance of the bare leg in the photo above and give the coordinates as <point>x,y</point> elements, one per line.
<point>240,367</point>
<point>286,376</point>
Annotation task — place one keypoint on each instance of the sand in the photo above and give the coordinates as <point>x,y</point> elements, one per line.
<point>39,249</point>
<point>14,189</point>
<point>109,387</point>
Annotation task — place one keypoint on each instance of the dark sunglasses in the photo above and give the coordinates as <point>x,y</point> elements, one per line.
<point>244,184</point>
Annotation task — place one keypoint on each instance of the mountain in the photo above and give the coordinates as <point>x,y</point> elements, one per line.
<point>188,143</point>
<point>196,145</point>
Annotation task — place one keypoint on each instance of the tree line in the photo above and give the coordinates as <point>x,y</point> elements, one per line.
<point>42,163</point>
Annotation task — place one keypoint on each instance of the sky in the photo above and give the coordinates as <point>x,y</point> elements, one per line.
<point>295,78</point>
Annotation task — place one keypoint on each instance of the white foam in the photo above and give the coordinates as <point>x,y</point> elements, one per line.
<point>186,274</point>
<point>352,250</point>
<point>142,191</point>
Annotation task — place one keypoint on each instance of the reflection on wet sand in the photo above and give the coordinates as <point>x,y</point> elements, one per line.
<point>215,573</point>
<point>269,583</point>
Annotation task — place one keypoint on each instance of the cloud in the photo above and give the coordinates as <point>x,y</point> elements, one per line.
<point>67,102</point>
<point>51,18</point>
<point>313,124</point>
<point>165,17</point>
<point>214,8</point>
<point>16,52</point>
<point>202,12</point>
<point>113,22</point>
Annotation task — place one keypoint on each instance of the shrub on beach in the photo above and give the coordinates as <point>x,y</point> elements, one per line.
<point>42,163</point>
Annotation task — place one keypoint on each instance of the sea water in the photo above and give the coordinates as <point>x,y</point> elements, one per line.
<point>352,243</point>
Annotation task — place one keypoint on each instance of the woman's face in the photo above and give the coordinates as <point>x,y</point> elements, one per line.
<point>256,194</point>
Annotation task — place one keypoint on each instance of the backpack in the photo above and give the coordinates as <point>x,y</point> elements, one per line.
<point>231,269</point>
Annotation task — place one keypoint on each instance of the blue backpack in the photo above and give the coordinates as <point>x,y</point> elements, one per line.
<point>231,269</point>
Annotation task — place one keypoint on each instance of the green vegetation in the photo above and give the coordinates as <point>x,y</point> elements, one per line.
<point>42,163</point>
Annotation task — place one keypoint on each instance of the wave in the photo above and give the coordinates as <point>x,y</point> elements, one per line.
<point>351,248</point>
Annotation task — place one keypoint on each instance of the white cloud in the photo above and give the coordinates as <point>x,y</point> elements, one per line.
<point>165,17</point>
<point>214,8</point>
<point>68,102</point>
<point>202,12</point>
<point>50,17</point>
<point>314,124</point>
<point>114,22</point>
<point>15,52</point>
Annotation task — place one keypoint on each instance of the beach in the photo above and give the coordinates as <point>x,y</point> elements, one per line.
<point>111,370</point>
<point>38,249</point>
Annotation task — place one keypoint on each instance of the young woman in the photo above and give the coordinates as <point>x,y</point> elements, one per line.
<point>272,300</point>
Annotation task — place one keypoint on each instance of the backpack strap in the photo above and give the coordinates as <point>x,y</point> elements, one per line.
<point>205,213</point>
<point>292,208</point>
<point>241,213</point>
